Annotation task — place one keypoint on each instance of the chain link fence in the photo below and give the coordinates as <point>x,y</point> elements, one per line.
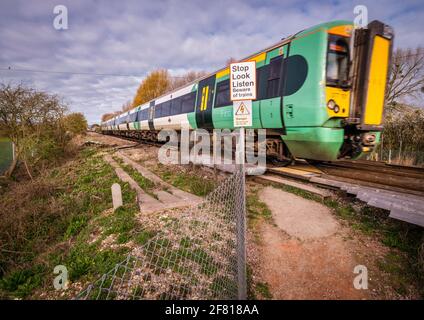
<point>192,253</point>
<point>406,157</point>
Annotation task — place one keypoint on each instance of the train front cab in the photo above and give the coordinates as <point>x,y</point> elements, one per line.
<point>357,70</point>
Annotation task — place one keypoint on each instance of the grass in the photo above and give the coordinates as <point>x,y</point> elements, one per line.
<point>53,221</point>
<point>143,182</point>
<point>263,289</point>
<point>256,209</point>
<point>144,236</point>
<point>189,182</point>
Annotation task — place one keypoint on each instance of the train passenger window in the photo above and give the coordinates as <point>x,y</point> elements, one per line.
<point>274,77</point>
<point>133,116</point>
<point>142,115</point>
<point>175,106</point>
<point>187,102</point>
<point>222,97</point>
<point>158,110</point>
<point>166,108</point>
<point>262,75</point>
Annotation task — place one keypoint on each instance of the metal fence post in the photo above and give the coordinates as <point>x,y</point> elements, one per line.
<point>241,220</point>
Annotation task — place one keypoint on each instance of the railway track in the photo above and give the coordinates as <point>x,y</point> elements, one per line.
<point>395,177</point>
<point>398,189</point>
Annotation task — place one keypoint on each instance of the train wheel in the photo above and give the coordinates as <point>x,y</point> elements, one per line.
<point>282,162</point>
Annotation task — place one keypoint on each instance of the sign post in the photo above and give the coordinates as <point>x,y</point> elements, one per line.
<point>242,92</point>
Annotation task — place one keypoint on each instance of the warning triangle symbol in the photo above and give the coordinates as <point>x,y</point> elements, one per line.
<point>242,110</point>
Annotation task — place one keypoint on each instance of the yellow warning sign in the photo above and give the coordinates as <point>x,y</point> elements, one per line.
<point>242,110</point>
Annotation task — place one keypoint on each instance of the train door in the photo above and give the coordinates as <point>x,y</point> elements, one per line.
<point>204,103</point>
<point>151,115</point>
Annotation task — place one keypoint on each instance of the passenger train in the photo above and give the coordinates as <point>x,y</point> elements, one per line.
<point>320,95</point>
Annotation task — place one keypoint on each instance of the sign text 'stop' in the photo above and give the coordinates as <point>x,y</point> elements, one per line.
<point>243,80</point>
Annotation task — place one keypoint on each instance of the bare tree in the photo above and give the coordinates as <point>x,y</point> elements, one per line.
<point>127,106</point>
<point>230,60</point>
<point>406,76</point>
<point>190,76</point>
<point>108,116</point>
<point>32,121</point>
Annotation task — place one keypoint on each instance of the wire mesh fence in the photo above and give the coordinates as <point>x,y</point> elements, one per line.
<point>192,253</point>
<point>406,157</point>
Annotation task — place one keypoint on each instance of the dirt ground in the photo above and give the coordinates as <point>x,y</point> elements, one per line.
<point>304,256</point>
<point>107,140</point>
<point>306,253</point>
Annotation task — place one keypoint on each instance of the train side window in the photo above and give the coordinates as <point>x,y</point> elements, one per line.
<point>166,108</point>
<point>222,97</point>
<point>142,115</point>
<point>175,106</point>
<point>158,110</point>
<point>262,75</point>
<point>133,116</point>
<point>187,103</point>
<point>274,77</point>
<point>145,114</point>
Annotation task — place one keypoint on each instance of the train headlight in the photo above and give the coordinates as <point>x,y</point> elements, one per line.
<point>369,138</point>
<point>336,109</point>
<point>331,104</point>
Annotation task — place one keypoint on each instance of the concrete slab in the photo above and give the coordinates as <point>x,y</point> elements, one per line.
<point>297,216</point>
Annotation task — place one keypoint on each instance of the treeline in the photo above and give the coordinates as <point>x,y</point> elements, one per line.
<point>403,136</point>
<point>403,133</point>
<point>154,85</point>
<point>39,125</point>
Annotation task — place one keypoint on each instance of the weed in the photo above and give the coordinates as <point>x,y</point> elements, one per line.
<point>263,289</point>
<point>256,209</point>
<point>144,183</point>
<point>189,182</point>
<point>144,236</point>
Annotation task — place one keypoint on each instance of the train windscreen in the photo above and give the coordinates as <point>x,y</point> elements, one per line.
<point>338,61</point>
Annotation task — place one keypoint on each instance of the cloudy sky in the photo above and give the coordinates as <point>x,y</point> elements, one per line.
<point>98,62</point>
